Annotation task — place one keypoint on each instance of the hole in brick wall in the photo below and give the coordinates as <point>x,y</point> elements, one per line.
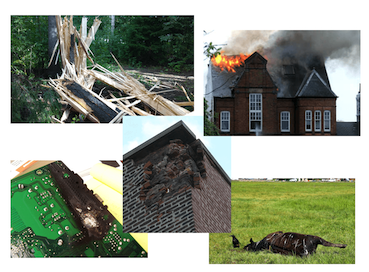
<point>171,170</point>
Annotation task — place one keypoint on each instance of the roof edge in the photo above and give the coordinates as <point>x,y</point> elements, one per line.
<point>220,168</point>
<point>307,80</point>
<point>146,145</point>
<point>180,131</point>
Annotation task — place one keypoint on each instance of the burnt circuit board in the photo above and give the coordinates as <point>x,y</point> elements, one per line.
<point>53,214</point>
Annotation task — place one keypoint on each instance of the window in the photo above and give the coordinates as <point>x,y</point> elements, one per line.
<point>308,120</point>
<point>285,121</point>
<point>327,120</point>
<point>318,122</point>
<point>225,120</point>
<point>255,112</point>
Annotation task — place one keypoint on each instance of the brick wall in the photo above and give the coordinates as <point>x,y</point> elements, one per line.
<point>286,105</point>
<point>176,188</point>
<point>315,104</point>
<point>212,204</point>
<point>272,108</point>
<point>270,116</point>
<point>224,104</point>
<point>239,110</point>
<point>173,215</point>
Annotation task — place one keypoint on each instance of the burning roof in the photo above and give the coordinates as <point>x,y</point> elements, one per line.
<point>229,63</point>
<point>290,77</point>
<point>291,55</point>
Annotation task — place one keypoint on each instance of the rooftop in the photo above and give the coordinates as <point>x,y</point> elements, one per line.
<point>178,131</point>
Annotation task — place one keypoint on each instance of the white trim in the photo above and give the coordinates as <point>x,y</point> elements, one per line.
<point>255,110</point>
<point>317,127</point>
<point>308,119</point>
<point>327,119</point>
<point>225,116</point>
<point>288,120</point>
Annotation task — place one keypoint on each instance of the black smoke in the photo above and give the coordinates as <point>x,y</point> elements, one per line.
<point>291,46</point>
<point>302,49</point>
<point>304,46</point>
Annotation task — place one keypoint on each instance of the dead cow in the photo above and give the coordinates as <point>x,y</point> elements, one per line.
<point>290,243</point>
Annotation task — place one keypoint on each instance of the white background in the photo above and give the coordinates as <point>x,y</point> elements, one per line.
<point>284,156</point>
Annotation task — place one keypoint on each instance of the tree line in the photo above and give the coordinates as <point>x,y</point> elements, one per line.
<point>166,41</point>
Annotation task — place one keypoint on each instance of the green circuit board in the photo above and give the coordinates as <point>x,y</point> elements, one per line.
<point>53,214</point>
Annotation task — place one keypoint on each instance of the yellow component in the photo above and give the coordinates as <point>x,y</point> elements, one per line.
<point>142,239</point>
<point>107,183</point>
<point>108,175</point>
<point>111,198</point>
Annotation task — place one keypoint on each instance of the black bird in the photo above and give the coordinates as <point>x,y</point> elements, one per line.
<point>235,241</point>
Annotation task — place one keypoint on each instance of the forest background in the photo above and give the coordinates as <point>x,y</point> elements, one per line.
<point>165,43</point>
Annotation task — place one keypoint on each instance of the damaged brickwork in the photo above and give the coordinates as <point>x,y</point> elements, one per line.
<point>166,191</point>
<point>180,169</point>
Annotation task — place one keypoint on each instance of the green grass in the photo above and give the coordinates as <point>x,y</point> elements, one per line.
<point>259,208</point>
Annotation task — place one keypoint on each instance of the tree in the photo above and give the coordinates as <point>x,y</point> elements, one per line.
<point>210,129</point>
<point>54,67</point>
<point>155,40</point>
<point>28,44</point>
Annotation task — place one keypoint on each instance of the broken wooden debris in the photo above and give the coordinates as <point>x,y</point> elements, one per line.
<point>100,109</point>
<point>75,85</point>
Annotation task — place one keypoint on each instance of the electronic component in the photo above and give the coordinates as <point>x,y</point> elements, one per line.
<point>54,214</point>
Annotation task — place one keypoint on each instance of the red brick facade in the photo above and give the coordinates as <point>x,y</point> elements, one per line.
<point>211,205</point>
<point>256,80</point>
<point>172,183</point>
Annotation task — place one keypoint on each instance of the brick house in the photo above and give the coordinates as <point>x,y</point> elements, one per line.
<point>295,100</point>
<point>172,183</point>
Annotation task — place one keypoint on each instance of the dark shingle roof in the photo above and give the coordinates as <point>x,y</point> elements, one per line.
<point>313,85</point>
<point>347,128</point>
<point>291,77</point>
<point>224,81</point>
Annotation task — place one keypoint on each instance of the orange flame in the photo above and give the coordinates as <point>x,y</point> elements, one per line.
<point>228,62</point>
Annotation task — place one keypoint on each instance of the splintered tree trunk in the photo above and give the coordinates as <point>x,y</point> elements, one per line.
<point>54,67</point>
<point>112,23</point>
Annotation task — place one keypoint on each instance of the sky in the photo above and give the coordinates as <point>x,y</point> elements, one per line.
<point>344,80</point>
<point>137,130</point>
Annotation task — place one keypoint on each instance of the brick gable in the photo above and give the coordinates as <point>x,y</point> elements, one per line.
<point>175,185</point>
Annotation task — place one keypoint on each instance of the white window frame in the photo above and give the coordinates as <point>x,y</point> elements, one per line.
<point>318,120</point>
<point>255,110</point>
<point>225,116</point>
<point>285,117</point>
<point>308,120</point>
<point>327,120</point>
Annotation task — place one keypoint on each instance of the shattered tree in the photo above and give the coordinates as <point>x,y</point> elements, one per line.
<point>75,84</point>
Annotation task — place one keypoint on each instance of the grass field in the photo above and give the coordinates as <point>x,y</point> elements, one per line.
<point>316,208</point>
